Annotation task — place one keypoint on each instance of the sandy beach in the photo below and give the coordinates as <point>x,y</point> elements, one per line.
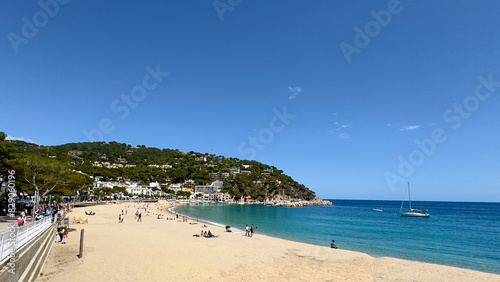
<point>165,250</point>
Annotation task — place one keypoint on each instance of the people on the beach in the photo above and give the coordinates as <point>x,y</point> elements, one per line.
<point>139,217</point>
<point>59,235</point>
<point>251,231</point>
<point>64,235</point>
<point>332,245</point>
<point>247,230</point>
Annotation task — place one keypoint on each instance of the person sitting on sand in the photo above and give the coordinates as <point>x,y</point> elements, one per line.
<point>205,234</point>
<point>210,234</point>
<point>332,245</point>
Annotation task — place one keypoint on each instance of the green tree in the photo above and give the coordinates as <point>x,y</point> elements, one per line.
<point>77,182</point>
<point>183,194</point>
<point>7,150</point>
<point>42,174</point>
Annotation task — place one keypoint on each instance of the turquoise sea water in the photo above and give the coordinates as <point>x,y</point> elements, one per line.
<point>464,235</point>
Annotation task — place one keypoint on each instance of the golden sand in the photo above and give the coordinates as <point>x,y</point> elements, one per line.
<point>165,250</point>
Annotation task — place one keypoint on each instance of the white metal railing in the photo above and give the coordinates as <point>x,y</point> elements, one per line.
<point>16,237</point>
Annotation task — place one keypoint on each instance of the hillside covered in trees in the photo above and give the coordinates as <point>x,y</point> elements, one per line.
<point>123,162</point>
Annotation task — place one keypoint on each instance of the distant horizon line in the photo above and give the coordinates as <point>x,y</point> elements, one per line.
<point>413,201</point>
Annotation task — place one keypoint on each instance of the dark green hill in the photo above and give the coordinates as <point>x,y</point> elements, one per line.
<point>119,161</point>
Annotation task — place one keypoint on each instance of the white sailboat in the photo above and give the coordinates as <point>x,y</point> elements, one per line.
<point>412,212</point>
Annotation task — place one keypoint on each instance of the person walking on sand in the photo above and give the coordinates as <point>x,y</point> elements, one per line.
<point>139,217</point>
<point>59,235</point>
<point>251,231</point>
<point>247,230</point>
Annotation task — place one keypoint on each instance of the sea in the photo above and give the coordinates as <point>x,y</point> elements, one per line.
<point>460,234</point>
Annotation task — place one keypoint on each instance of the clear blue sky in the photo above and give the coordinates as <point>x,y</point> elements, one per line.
<point>335,93</point>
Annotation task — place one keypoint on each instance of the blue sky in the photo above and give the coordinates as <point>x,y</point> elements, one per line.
<point>338,94</point>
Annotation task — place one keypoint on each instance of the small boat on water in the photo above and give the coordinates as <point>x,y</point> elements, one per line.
<point>412,212</point>
<point>378,210</point>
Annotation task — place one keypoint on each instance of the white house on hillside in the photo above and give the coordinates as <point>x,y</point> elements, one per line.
<point>137,190</point>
